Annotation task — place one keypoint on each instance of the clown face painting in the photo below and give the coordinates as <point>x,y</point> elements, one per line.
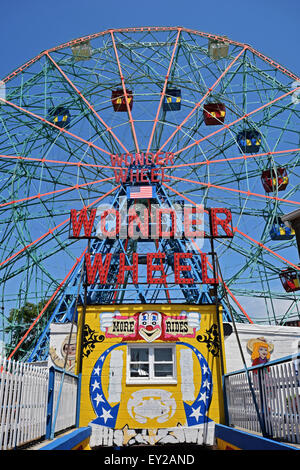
<point>149,325</point>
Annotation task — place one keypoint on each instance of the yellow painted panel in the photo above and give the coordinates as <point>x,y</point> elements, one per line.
<point>111,398</point>
<point>84,445</point>
<point>223,445</point>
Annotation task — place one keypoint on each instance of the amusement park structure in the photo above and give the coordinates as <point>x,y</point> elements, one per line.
<point>168,119</point>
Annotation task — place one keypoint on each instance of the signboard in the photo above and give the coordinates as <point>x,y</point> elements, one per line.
<point>83,225</point>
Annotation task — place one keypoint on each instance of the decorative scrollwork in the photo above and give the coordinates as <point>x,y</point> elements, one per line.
<point>211,338</point>
<point>90,338</point>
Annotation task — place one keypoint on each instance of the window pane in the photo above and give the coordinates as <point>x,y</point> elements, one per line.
<point>139,370</point>
<point>163,370</point>
<point>163,354</point>
<point>139,354</point>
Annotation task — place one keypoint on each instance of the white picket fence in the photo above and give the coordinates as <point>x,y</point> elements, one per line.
<point>276,390</point>
<point>24,402</point>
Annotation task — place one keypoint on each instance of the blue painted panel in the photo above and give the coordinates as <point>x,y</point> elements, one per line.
<point>69,441</point>
<point>247,441</point>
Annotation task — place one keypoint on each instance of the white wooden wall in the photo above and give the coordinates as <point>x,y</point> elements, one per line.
<point>284,338</point>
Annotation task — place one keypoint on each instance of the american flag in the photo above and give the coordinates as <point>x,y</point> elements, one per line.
<point>141,192</point>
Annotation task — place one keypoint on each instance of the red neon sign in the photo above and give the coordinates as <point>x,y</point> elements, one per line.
<point>83,223</point>
<point>98,269</point>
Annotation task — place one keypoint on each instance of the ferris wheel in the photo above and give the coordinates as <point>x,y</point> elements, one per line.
<point>227,114</point>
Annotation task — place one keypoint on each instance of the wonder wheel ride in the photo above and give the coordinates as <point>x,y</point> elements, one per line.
<point>227,114</point>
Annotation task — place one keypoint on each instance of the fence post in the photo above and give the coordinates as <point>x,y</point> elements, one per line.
<point>260,371</point>
<point>50,402</point>
<point>226,413</point>
<point>78,401</point>
<point>263,401</point>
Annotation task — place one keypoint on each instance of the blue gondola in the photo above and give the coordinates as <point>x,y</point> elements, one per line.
<point>59,116</point>
<point>280,231</point>
<point>172,99</point>
<point>249,141</point>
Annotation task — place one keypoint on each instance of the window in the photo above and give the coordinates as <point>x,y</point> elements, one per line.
<point>151,364</point>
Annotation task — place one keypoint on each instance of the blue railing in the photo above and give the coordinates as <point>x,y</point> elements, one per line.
<point>266,399</point>
<point>63,401</point>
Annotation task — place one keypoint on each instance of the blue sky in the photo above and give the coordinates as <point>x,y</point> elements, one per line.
<point>31,26</point>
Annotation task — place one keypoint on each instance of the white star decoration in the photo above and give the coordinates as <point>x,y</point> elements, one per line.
<point>97,370</point>
<point>203,397</point>
<point>95,385</point>
<point>105,414</point>
<point>196,413</point>
<point>98,399</point>
<point>206,384</point>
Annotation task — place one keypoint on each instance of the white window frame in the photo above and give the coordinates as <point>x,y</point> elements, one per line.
<point>151,379</point>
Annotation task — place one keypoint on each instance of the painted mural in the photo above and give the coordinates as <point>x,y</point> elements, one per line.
<point>150,376</point>
<point>260,350</point>
<point>62,350</point>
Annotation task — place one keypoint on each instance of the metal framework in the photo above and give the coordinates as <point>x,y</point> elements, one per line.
<point>48,168</point>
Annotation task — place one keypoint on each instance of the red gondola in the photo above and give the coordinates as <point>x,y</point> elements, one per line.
<point>275,179</point>
<point>290,279</point>
<point>214,114</point>
<point>118,100</point>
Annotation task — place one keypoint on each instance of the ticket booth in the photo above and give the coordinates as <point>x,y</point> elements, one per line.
<point>151,374</point>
